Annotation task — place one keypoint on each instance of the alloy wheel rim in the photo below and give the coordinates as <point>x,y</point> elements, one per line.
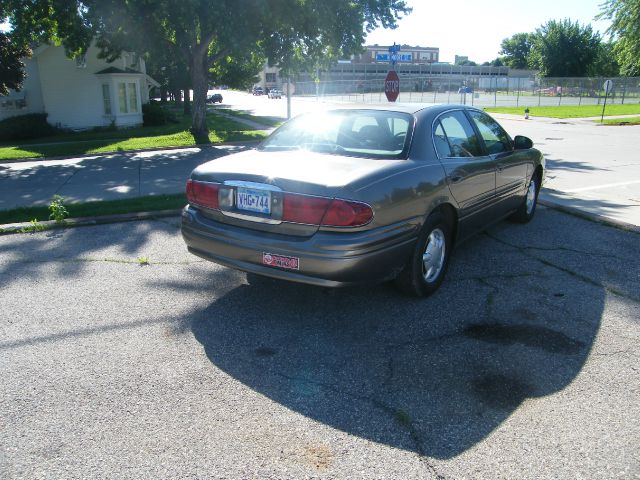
<point>433,256</point>
<point>531,196</point>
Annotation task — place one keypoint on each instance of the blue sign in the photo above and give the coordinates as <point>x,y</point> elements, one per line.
<point>398,57</point>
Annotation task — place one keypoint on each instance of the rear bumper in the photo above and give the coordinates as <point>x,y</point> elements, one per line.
<point>328,259</point>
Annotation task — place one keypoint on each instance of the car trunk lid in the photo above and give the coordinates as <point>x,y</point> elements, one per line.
<point>253,186</point>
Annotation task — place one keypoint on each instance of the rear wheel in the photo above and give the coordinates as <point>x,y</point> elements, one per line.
<point>425,270</point>
<point>527,208</point>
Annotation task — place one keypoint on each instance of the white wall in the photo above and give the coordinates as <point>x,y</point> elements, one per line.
<point>73,96</point>
<point>30,92</point>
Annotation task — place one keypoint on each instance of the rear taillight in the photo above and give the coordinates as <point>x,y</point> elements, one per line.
<point>345,213</point>
<point>304,209</point>
<point>203,194</point>
<point>325,211</point>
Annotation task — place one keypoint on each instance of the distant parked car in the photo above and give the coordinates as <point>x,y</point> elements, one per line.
<point>360,195</point>
<point>465,89</point>
<point>215,98</point>
<point>275,93</point>
<point>258,91</point>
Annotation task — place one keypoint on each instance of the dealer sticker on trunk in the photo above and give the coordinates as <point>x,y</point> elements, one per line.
<point>282,261</point>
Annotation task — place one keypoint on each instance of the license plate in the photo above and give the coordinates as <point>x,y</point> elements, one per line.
<point>282,261</point>
<point>252,200</point>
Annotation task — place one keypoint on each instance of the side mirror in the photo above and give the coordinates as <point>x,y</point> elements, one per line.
<point>520,142</point>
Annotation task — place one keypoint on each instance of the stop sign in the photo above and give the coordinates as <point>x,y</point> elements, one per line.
<point>392,86</point>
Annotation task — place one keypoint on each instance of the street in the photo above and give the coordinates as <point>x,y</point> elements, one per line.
<point>122,356</point>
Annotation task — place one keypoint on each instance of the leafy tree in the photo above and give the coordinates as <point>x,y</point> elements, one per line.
<point>564,49</point>
<point>496,62</point>
<point>516,50</point>
<point>292,33</point>
<point>625,28</point>
<point>605,64</point>
<point>11,65</point>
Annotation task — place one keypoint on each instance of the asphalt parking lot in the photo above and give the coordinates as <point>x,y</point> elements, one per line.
<point>122,356</point>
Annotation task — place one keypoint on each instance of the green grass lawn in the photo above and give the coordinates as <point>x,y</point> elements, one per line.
<point>114,207</point>
<point>221,130</point>
<point>571,111</point>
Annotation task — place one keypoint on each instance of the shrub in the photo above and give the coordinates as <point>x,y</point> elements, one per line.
<point>24,127</point>
<point>154,114</point>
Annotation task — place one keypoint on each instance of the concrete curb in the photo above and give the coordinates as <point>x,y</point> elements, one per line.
<point>592,217</point>
<point>27,227</point>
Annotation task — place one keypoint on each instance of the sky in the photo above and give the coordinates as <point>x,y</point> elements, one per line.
<point>476,28</point>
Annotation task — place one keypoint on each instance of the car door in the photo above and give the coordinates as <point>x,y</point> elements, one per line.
<point>511,165</point>
<point>471,174</point>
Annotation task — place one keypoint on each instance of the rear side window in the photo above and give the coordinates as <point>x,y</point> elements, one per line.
<point>441,143</point>
<point>462,139</point>
<point>495,138</point>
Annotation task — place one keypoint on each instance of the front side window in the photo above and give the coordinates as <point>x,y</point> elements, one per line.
<point>462,139</point>
<point>495,138</point>
<point>363,133</point>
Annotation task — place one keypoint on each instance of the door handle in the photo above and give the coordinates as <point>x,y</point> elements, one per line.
<point>456,179</point>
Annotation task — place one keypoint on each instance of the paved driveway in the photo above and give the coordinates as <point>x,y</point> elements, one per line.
<point>524,365</point>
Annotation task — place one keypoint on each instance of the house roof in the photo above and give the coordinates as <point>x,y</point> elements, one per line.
<point>112,70</point>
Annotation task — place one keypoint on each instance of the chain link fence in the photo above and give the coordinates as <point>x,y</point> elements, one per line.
<point>489,91</point>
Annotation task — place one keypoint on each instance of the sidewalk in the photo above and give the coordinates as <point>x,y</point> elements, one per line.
<point>102,177</point>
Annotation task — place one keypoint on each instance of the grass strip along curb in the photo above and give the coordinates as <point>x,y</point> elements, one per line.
<point>620,121</point>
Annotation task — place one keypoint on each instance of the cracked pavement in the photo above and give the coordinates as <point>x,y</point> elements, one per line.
<point>523,365</point>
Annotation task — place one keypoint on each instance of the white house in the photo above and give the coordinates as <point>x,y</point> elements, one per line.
<point>81,93</point>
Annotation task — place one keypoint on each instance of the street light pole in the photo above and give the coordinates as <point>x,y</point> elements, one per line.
<point>288,98</point>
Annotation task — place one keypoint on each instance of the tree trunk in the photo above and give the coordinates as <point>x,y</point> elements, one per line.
<point>177,97</point>
<point>198,70</point>
<point>163,95</point>
<point>187,102</point>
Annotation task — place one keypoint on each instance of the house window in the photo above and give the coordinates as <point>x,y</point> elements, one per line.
<point>133,98</point>
<point>106,99</point>
<point>127,97</point>
<point>270,78</point>
<point>122,97</point>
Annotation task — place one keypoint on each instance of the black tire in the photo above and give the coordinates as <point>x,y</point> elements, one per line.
<point>416,279</point>
<point>527,208</point>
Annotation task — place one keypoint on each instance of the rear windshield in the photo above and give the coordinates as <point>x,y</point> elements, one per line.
<point>361,133</point>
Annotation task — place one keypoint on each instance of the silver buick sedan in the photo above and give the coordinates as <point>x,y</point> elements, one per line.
<point>360,195</point>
